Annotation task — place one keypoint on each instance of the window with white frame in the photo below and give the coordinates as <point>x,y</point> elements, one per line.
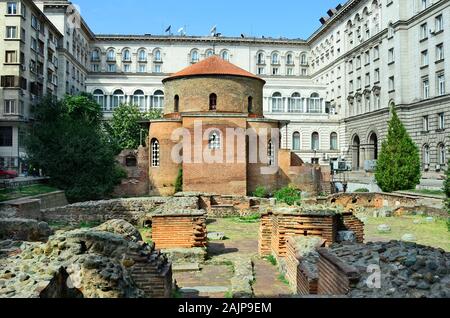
<point>426,123</point>
<point>118,98</point>
<point>112,68</point>
<point>155,153</point>
<point>261,59</point>
<point>10,107</point>
<point>391,83</point>
<point>423,31</point>
<point>127,68</point>
<point>275,59</point>
<point>99,97</point>
<point>426,155</point>
<point>126,56</point>
<point>424,4</point>
<point>377,75</point>
<point>11,8</point>
<point>277,103</point>
<point>425,88</point>
<point>441,121</point>
<point>142,56</point>
<point>11,32</point>
<point>157,56</point>
<point>194,56</point>
<point>303,59</point>
<point>424,58</point>
<point>209,53</point>
<point>261,70</point>
<point>441,84</point>
<point>111,55</point>
<point>157,68</point>
<point>142,68</point>
<point>442,153</point>
<point>314,104</point>
<point>139,100</point>
<point>289,59</point>
<point>214,140</point>
<point>296,139</point>
<point>295,103</point>
<point>315,144</point>
<point>440,52</point>
<point>391,55</point>
<point>334,141</point>
<point>439,23</point>
<point>158,100</point>
<point>225,55</point>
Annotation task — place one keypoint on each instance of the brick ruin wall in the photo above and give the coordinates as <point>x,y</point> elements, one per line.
<point>231,206</point>
<point>179,231</point>
<point>351,201</point>
<point>135,163</point>
<point>130,210</point>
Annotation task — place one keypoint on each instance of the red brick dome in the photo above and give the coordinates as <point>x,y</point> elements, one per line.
<point>213,65</point>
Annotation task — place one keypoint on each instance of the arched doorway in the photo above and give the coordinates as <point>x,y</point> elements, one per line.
<point>373,146</point>
<point>356,148</point>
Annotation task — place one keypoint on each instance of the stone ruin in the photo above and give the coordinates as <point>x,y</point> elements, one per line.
<point>322,252</point>
<point>109,261</point>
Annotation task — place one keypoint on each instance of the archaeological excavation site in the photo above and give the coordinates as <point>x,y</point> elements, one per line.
<point>200,245</point>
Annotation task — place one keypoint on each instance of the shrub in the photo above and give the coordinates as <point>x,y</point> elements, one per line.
<point>447,193</point>
<point>179,181</point>
<point>272,260</point>
<point>260,192</point>
<point>289,195</point>
<point>398,166</point>
<point>362,190</point>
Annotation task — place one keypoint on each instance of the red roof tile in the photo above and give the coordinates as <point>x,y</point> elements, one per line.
<point>213,65</point>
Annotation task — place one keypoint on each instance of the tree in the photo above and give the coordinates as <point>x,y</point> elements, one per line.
<point>66,141</point>
<point>398,166</point>
<point>179,181</point>
<point>125,126</point>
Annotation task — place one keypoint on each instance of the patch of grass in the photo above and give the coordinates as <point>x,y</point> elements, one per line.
<point>146,234</point>
<point>58,225</point>
<point>272,260</point>
<point>235,230</point>
<point>428,192</point>
<point>283,279</point>
<point>361,190</point>
<point>89,224</point>
<point>254,218</point>
<point>433,234</point>
<point>229,294</point>
<point>26,191</point>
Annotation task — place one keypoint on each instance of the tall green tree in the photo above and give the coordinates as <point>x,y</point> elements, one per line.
<point>125,126</point>
<point>66,141</point>
<point>398,166</point>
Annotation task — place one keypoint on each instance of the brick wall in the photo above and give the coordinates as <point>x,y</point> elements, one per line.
<point>137,181</point>
<point>372,200</point>
<point>184,230</point>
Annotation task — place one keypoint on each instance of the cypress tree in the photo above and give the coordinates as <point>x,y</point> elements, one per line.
<point>398,166</point>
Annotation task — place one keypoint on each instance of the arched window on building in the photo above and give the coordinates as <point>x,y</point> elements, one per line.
<point>194,56</point>
<point>295,103</point>
<point>214,140</point>
<point>225,55</point>
<point>334,141</point>
<point>426,157</point>
<point>142,56</point>
<point>99,97</point>
<point>118,98</point>
<point>158,100</point>
<point>176,104</point>
<point>126,56</point>
<point>139,100</point>
<point>303,59</point>
<point>277,103</point>
<point>275,59</point>
<point>157,56</point>
<point>315,145</point>
<point>156,160</point>
<point>289,59</point>
<point>250,105</point>
<point>314,104</point>
<point>209,53</point>
<point>296,141</point>
<point>111,55</point>
<point>261,58</point>
<point>213,102</point>
<point>95,55</point>
<point>442,155</point>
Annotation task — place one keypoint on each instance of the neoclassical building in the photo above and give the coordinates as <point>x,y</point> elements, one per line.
<point>335,87</point>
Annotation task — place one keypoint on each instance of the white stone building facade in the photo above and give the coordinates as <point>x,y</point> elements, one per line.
<point>335,87</point>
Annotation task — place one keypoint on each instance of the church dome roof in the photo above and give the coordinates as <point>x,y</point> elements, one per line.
<point>213,65</point>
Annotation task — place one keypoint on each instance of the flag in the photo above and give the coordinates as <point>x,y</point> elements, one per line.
<point>169,28</point>
<point>180,30</point>
<point>214,30</point>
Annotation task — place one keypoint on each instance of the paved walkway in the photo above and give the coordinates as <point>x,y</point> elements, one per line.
<point>267,282</point>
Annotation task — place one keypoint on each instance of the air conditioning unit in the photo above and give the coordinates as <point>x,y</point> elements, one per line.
<point>426,167</point>
<point>438,168</point>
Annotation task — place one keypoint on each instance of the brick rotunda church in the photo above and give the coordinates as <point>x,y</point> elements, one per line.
<point>207,99</point>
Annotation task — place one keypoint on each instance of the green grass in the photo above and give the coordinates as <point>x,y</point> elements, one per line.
<point>283,279</point>
<point>254,218</point>
<point>229,295</point>
<point>146,234</point>
<point>89,224</point>
<point>431,234</point>
<point>26,191</point>
<point>272,260</point>
<point>428,192</point>
<point>235,230</point>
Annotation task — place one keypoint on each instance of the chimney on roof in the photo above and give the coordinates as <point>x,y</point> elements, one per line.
<point>331,12</point>
<point>324,20</point>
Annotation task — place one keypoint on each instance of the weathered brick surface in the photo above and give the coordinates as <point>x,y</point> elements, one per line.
<point>137,181</point>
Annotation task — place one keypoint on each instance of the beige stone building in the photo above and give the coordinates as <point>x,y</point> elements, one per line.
<point>335,87</point>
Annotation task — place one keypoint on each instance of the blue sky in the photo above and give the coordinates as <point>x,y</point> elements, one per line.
<point>288,18</point>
